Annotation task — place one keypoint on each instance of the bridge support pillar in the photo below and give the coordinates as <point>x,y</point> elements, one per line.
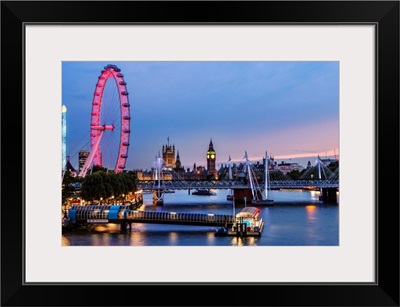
<point>240,194</point>
<point>158,198</point>
<point>124,226</point>
<point>328,195</point>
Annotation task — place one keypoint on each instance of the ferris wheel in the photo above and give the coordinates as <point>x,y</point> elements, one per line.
<point>110,122</point>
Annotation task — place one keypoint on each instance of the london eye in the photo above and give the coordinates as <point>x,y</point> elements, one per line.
<point>109,122</point>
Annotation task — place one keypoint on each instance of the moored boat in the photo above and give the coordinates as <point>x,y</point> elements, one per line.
<point>247,224</point>
<point>263,202</point>
<point>221,231</point>
<point>203,192</point>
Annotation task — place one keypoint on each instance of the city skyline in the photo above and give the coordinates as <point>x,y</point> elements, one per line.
<point>290,109</point>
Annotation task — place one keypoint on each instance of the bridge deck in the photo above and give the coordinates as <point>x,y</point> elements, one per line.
<point>234,184</point>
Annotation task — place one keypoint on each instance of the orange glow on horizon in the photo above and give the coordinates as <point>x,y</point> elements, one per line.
<point>323,154</point>
<point>305,155</point>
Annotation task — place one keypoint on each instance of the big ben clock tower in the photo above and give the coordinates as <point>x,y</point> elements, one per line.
<point>211,157</point>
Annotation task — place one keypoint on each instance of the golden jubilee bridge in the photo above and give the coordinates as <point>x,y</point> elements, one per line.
<point>249,185</point>
<point>150,185</point>
<point>328,188</point>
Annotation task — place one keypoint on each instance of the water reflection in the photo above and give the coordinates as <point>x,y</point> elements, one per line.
<point>211,238</point>
<point>243,241</point>
<point>298,218</point>
<point>137,239</point>
<point>173,238</point>
<point>311,213</point>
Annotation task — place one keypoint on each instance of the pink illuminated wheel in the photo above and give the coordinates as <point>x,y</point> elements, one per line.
<point>110,120</point>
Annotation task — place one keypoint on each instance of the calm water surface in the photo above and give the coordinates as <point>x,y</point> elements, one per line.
<point>297,219</point>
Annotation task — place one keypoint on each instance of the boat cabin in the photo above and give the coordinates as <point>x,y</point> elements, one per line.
<point>248,213</point>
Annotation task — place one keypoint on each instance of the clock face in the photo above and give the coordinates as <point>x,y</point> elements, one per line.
<point>212,156</point>
<point>208,156</point>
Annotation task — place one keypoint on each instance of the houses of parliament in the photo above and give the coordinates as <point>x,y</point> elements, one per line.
<point>173,166</point>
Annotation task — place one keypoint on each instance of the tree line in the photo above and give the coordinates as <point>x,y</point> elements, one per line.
<point>100,184</point>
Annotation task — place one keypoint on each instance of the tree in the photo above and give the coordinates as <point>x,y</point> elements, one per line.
<point>93,187</point>
<point>107,184</point>
<point>117,184</point>
<point>98,168</point>
<point>130,181</point>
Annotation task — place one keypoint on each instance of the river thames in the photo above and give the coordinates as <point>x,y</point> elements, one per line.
<point>298,218</point>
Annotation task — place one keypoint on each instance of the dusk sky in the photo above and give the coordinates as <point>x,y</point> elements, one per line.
<point>290,109</point>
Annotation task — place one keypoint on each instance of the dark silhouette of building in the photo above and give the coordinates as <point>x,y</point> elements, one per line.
<point>83,155</point>
<point>179,169</point>
<point>211,158</point>
<point>198,173</point>
<point>69,166</point>
<point>168,154</point>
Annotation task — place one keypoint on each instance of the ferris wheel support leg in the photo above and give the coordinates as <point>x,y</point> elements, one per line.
<point>89,160</point>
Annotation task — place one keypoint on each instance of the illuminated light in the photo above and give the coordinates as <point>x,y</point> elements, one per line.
<point>210,214</point>
<point>172,213</point>
<point>311,213</point>
<point>310,208</point>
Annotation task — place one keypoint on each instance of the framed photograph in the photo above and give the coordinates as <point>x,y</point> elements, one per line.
<point>255,104</point>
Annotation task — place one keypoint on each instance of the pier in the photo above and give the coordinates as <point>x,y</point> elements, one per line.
<point>123,215</point>
<point>245,223</point>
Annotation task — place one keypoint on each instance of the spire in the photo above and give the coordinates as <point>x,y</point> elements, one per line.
<point>211,146</point>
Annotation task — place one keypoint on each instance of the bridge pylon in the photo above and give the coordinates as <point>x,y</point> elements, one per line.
<point>158,197</point>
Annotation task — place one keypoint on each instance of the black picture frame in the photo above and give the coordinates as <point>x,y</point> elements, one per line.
<point>383,14</point>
